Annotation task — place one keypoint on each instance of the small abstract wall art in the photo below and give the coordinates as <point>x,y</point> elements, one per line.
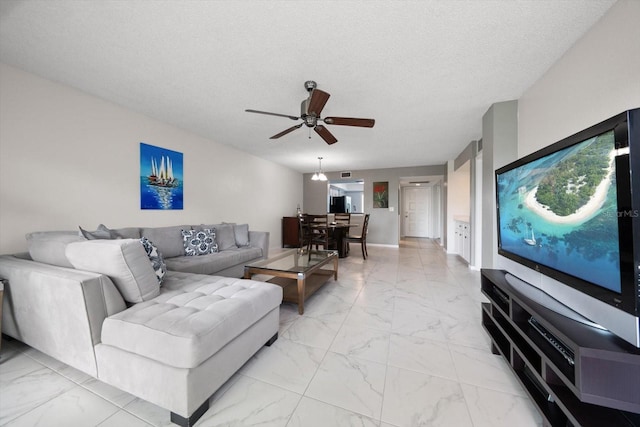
<point>161,178</point>
<point>381,194</point>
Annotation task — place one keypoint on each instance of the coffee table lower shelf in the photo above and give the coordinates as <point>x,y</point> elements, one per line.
<point>311,284</point>
<point>299,273</point>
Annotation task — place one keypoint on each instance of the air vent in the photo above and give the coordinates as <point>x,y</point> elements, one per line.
<point>419,182</point>
<point>345,174</point>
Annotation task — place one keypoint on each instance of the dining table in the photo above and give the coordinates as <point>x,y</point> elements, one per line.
<point>339,232</point>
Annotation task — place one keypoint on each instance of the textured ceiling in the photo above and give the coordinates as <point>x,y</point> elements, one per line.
<point>425,70</point>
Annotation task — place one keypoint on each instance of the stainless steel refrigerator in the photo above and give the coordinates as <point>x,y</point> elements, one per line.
<point>340,204</point>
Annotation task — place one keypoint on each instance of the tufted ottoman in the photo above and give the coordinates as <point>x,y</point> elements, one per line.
<point>178,348</point>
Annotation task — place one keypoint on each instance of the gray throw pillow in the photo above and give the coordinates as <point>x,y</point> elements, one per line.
<point>225,237</point>
<point>241,232</point>
<point>102,232</point>
<point>157,262</point>
<point>199,242</point>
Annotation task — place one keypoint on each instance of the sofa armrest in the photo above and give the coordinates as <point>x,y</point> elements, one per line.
<point>260,239</point>
<point>57,310</point>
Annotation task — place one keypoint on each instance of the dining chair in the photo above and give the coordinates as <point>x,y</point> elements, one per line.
<point>342,218</point>
<point>304,232</point>
<point>362,237</point>
<point>320,232</point>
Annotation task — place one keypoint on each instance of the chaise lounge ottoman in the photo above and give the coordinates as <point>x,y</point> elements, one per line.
<point>179,347</point>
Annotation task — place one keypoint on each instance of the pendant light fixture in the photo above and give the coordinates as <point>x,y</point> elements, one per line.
<point>319,176</point>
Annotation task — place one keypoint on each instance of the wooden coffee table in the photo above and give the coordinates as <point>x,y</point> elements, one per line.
<point>300,273</point>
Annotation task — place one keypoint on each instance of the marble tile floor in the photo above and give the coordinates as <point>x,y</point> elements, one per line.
<point>396,341</point>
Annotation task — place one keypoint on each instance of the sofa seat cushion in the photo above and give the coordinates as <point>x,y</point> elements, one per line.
<point>212,263</point>
<point>193,317</point>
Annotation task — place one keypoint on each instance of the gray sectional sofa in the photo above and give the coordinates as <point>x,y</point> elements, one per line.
<point>171,337</point>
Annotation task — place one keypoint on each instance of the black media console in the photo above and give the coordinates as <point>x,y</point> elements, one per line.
<point>576,375</point>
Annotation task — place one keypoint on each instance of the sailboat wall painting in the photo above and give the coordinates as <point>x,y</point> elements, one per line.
<point>161,178</point>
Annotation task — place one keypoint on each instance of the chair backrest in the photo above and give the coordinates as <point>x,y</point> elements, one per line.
<point>319,219</point>
<point>365,226</point>
<point>304,231</point>
<point>319,227</point>
<point>355,220</point>
<point>342,218</point>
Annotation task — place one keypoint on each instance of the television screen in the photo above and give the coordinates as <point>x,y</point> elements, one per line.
<point>560,211</point>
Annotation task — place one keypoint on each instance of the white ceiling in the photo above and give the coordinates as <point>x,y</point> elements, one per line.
<point>425,70</point>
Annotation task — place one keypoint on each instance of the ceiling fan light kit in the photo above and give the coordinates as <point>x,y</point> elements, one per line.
<point>310,111</point>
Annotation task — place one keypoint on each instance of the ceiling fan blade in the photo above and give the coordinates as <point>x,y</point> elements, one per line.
<point>317,101</point>
<point>284,132</point>
<point>325,134</point>
<point>349,121</point>
<point>273,114</point>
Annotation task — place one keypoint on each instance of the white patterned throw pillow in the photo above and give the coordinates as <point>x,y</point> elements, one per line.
<point>157,261</point>
<point>199,242</point>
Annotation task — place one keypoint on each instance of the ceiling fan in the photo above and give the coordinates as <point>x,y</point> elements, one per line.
<point>310,110</point>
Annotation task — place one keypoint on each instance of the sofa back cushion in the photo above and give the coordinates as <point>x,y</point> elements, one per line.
<point>128,232</point>
<point>123,260</point>
<point>168,240</point>
<point>49,246</point>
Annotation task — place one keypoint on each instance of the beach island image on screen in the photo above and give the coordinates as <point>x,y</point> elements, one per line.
<point>561,211</point>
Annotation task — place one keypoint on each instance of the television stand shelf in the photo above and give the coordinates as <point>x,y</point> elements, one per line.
<point>575,374</point>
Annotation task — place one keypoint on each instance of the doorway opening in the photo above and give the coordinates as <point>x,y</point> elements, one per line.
<point>346,196</point>
<point>421,207</point>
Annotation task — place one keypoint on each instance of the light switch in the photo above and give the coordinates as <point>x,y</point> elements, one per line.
<point>391,209</point>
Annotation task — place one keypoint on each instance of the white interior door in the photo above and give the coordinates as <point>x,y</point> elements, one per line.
<point>416,208</point>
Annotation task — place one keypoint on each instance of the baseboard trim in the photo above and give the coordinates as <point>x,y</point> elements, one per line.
<point>382,245</point>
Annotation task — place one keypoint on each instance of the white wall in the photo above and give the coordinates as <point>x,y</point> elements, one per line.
<point>460,191</point>
<point>69,159</point>
<point>597,78</point>
<point>458,200</point>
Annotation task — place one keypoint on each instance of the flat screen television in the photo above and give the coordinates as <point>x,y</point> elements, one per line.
<point>571,213</point>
